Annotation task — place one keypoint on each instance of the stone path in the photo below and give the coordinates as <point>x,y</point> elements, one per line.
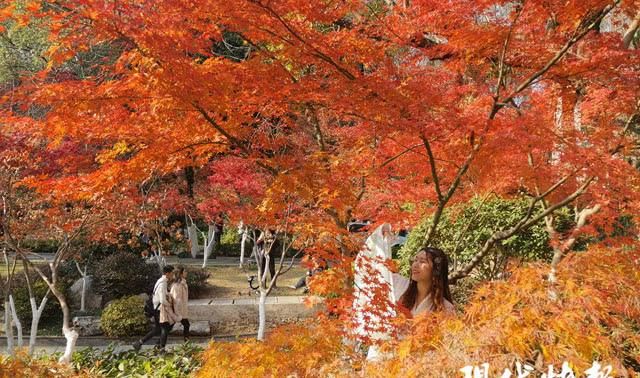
<point>247,301</point>
<point>188,261</point>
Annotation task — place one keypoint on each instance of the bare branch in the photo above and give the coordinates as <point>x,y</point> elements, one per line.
<point>631,31</point>
<point>393,158</point>
<point>432,164</point>
<point>524,223</point>
<point>504,53</point>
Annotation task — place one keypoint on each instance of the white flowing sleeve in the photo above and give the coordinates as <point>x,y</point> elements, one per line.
<point>400,285</point>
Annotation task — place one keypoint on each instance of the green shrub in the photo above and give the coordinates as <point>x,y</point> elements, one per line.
<point>125,274</point>
<point>178,362</point>
<point>230,242</point>
<point>124,317</point>
<point>197,281</point>
<point>463,229</point>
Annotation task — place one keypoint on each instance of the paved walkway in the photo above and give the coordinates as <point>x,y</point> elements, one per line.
<point>197,262</point>
<point>49,345</point>
<point>247,301</point>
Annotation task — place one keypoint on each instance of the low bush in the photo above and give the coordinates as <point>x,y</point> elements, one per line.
<point>124,274</point>
<point>197,281</point>
<point>124,317</point>
<point>178,362</point>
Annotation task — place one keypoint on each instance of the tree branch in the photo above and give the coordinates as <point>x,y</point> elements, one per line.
<point>432,164</point>
<point>523,224</point>
<point>579,33</point>
<point>631,31</point>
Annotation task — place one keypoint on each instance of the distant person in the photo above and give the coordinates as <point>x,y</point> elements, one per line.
<point>180,294</point>
<point>303,282</point>
<point>162,312</point>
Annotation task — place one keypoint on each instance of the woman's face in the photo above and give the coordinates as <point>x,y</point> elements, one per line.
<point>422,267</point>
<point>184,274</point>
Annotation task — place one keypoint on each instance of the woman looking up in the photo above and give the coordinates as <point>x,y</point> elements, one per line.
<point>428,288</point>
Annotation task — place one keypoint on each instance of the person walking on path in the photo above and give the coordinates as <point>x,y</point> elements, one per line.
<point>180,296</point>
<point>161,307</point>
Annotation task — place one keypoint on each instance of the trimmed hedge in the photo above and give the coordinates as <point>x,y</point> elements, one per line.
<point>124,274</point>
<point>124,317</point>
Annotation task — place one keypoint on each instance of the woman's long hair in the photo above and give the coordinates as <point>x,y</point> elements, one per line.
<point>439,281</point>
<point>177,275</point>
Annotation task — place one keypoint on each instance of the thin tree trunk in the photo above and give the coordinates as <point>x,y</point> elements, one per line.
<point>209,243</point>
<point>70,334</point>
<point>83,294</point>
<point>262,315</point>
<point>36,313</point>
<point>8,328</point>
<point>243,240</point>
<point>560,251</point>
<point>16,320</point>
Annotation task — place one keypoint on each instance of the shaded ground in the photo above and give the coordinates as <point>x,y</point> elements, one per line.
<point>231,282</point>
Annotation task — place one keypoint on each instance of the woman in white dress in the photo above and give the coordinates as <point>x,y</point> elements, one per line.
<point>428,288</point>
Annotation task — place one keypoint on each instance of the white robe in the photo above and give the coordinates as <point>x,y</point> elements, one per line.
<point>377,250</point>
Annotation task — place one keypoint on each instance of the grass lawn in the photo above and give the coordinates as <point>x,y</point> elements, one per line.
<point>231,282</point>
<point>3,268</point>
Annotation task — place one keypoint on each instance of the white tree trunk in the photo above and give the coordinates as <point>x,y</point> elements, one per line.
<point>561,250</point>
<point>71,335</point>
<point>262,315</point>
<point>209,242</point>
<point>16,320</point>
<point>193,240</point>
<point>8,328</point>
<point>243,240</point>
<point>36,313</point>
<point>83,295</point>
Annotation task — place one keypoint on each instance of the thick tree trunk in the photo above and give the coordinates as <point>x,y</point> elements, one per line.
<point>192,234</point>
<point>70,334</point>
